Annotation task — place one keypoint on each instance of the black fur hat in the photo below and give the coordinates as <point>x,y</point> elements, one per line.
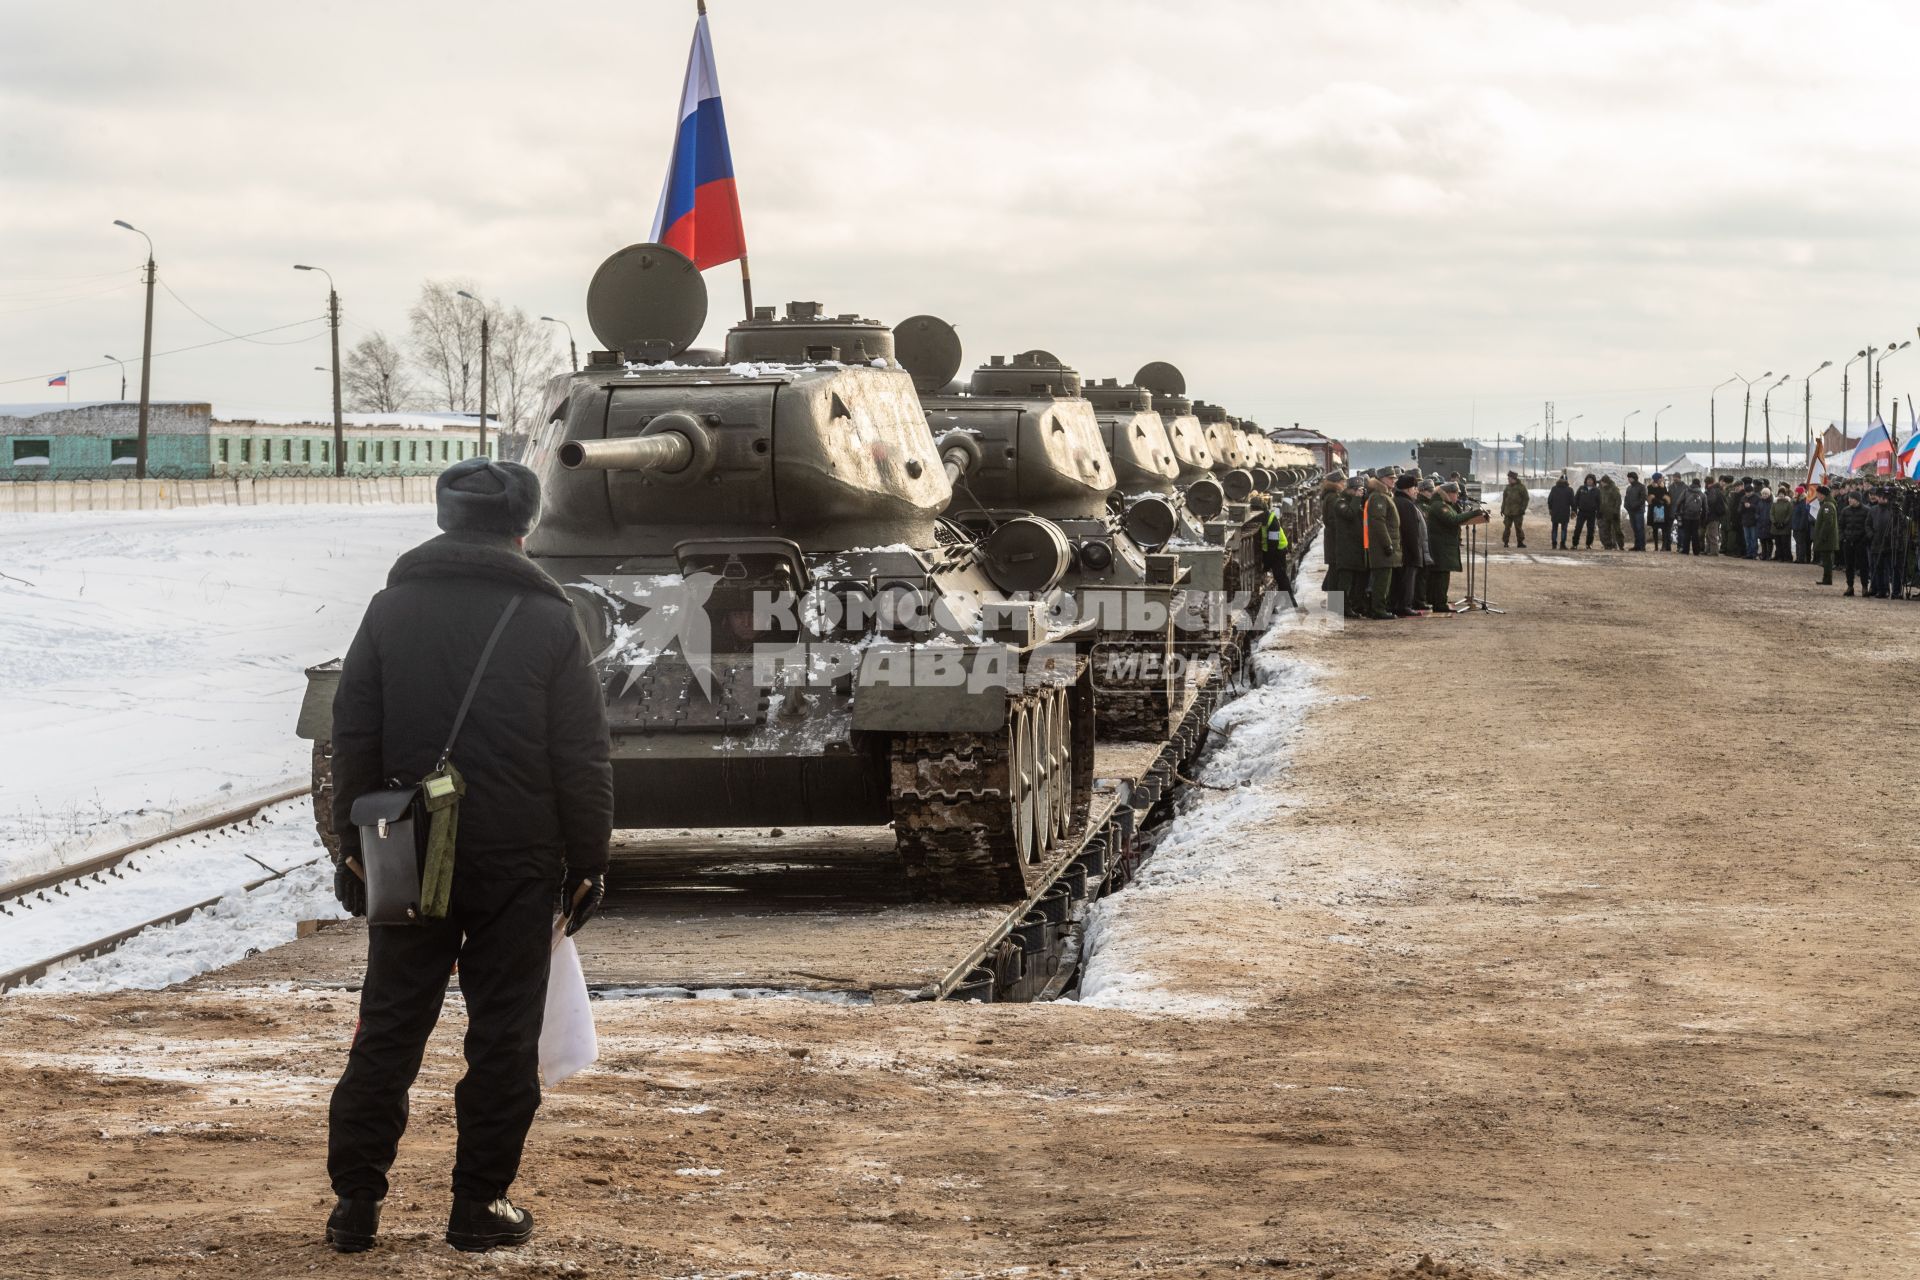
<point>479,495</point>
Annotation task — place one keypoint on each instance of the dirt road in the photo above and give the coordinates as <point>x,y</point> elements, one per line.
<point>1575,942</point>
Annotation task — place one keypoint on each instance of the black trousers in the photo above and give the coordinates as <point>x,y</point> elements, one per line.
<point>1662,534</point>
<point>1690,542</point>
<point>1582,521</point>
<point>1275,563</point>
<point>500,932</point>
<point>1853,555</point>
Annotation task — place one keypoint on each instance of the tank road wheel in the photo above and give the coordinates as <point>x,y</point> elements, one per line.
<point>1062,757</point>
<point>1039,747</point>
<point>974,813</point>
<point>323,798</point>
<point>1026,786</point>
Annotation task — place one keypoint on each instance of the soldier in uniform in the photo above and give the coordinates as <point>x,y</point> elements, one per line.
<point>1445,518</point>
<point>1826,532</point>
<point>1415,555</point>
<point>1381,543</point>
<point>1513,510</point>
<point>1613,536</point>
<point>1344,561</point>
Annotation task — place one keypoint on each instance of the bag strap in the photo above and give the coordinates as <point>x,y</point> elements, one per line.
<point>473,685</point>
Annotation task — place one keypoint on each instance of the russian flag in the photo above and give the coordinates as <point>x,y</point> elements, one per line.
<point>1875,447</point>
<point>699,210</point>
<point>60,381</point>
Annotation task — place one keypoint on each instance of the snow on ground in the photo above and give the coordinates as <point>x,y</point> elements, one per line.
<point>1206,850</point>
<point>151,662</point>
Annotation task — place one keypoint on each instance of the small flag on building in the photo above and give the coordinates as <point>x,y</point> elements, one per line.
<point>699,212</point>
<point>58,380</point>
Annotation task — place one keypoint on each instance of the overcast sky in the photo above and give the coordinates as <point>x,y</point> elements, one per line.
<point>1376,217</point>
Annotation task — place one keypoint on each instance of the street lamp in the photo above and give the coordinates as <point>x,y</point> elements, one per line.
<point>1766,417</point>
<point>333,323</point>
<point>1713,432</point>
<point>123,375</point>
<point>1808,410</point>
<point>1886,355</point>
<point>1845,370</point>
<point>146,357</point>
<point>1623,436</point>
<point>1656,435</point>
<point>1566,436</point>
<point>573,352</point>
<point>1746,414</point>
<point>483,368</point>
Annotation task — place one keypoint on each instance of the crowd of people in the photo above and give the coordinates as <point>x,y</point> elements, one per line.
<point>1862,525</point>
<point>1393,541</point>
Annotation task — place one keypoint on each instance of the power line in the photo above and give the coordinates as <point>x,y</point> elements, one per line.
<point>88,368</point>
<point>222,328</point>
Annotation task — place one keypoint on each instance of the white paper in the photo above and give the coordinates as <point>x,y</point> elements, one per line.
<point>567,1039</point>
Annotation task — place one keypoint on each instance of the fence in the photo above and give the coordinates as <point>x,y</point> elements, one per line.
<point>231,491</point>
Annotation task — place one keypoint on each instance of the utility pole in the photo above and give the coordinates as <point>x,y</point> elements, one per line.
<point>1623,438</point>
<point>333,323</point>
<point>1807,409</point>
<point>484,313</point>
<point>1655,464</point>
<point>1746,414</point>
<point>1566,437</point>
<point>1546,451</point>
<point>1766,414</point>
<point>146,356</point>
<point>123,376</point>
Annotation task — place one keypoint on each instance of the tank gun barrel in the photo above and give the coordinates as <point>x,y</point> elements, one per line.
<point>959,454</point>
<point>663,451</point>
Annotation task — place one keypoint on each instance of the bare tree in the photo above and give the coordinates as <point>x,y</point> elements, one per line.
<point>375,377</point>
<point>521,357</point>
<point>443,335</point>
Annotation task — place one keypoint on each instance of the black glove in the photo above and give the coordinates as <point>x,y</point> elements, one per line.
<point>581,911</point>
<point>350,889</point>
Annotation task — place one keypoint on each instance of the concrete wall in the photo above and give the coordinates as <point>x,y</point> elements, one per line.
<point>161,495</point>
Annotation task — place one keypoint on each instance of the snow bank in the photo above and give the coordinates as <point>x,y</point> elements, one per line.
<point>1206,854</point>
<point>151,662</point>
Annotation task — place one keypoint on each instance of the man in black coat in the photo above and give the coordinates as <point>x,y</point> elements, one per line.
<point>1883,530</point>
<point>533,832</point>
<point>1560,510</point>
<point>1586,510</point>
<point>1635,501</point>
<point>1855,530</point>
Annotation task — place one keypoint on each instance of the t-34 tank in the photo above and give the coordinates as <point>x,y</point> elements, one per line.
<point>1037,451</point>
<point>787,630</point>
<point>1205,446</point>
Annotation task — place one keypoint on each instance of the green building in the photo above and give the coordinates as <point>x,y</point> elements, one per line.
<point>185,440</point>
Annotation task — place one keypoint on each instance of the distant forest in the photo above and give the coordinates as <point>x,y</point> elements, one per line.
<point>1380,453</point>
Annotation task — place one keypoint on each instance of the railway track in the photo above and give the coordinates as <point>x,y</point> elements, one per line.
<point>147,883</point>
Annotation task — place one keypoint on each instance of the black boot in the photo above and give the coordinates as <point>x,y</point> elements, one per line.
<point>475,1226</point>
<point>353,1224</point>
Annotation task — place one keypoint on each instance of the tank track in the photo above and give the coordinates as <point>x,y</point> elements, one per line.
<point>323,798</point>
<point>976,814</point>
<point>1136,711</point>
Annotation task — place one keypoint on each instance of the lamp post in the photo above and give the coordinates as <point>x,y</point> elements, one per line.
<point>1869,353</point>
<point>1845,370</point>
<point>1767,417</point>
<point>573,352</point>
<point>1566,438</point>
<point>483,368</point>
<point>333,323</point>
<point>146,356</point>
<point>1746,415</point>
<point>123,375</point>
<point>1713,432</point>
<point>1885,356</point>
<point>1807,411</point>
<point>1623,436</point>
<point>1655,464</point>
